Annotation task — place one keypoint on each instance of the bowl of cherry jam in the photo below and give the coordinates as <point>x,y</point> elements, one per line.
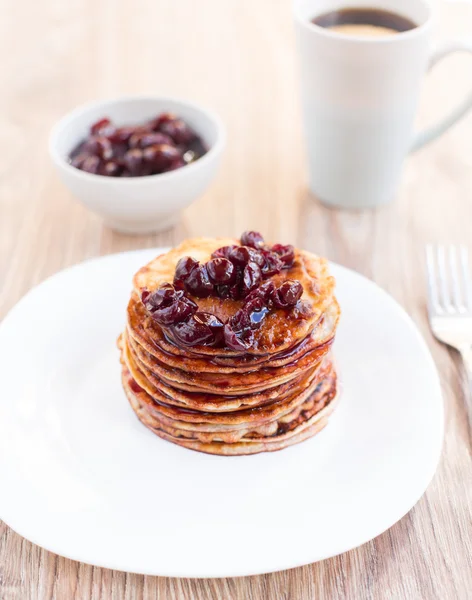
<point>137,161</point>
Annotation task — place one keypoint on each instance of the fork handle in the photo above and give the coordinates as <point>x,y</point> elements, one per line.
<point>466,354</point>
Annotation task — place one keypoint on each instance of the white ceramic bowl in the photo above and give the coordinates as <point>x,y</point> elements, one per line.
<point>137,204</point>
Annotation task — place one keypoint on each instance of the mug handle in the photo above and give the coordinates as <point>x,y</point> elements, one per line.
<point>428,135</point>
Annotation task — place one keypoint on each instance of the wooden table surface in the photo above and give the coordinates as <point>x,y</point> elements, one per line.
<point>239,59</point>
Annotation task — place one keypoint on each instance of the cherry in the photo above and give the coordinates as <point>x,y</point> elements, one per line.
<point>194,331</point>
<point>264,292</point>
<point>198,282</point>
<point>252,238</point>
<point>162,296</point>
<point>160,157</point>
<point>167,305</point>
<point>237,340</point>
<point>177,164</point>
<point>104,148</point>
<point>144,139</point>
<point>134,162</point>
<point>99,126</point>
<point>121,135</point>
<point>223,252</point>
<point>182,270</point>
<point>240,321</point>
<point>91,164</point>
<point>272,264</point>
<point>252,277</point>
<point>90,146</point>
<point>241,255</point>
<point>221,270</point>
<point>212,322</point>
<point>178,130</point>
<point>285,253</point>
<point>77,160</point>
<point>288,294</point>
<point>112,169</point>
<point>156,123</point>
<point>180,309</point>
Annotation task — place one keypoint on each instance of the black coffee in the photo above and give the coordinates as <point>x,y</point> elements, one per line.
<point>364,21</point>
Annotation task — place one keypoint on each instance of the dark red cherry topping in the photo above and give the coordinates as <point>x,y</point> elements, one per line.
<point>178,311</point>
<point>240,255</point>
<point>91,164</point>
<point>272,264</point>
<point>160,157</point>
<point>252,238</point>
<point>212,322</point>
<point>198,282</point>
<point>287,294</point>
<point>263,292</point>
<point>178,130</point>
<point>143,139</point>
<point>167,305</point>
<point>252,277</point>
<point>285,253</point>
<point>163,296</point>
<point>223,252</point>
<point>235,272</point>
<point>221,270</point>
<point>199,329</point>
<point>237,340</point>
<point>163,144</point>
<point>135,164</point>
<point>183,269</point>
<point>98,127</point>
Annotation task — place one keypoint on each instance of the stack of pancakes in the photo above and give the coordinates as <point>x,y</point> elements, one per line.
<point>222,401</point>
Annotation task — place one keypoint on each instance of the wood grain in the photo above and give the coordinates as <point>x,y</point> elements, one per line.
<point>239,59</point>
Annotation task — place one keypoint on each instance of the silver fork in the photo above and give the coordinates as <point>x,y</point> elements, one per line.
<point>450,304</point>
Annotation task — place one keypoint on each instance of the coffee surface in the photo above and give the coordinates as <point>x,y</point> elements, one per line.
<point>365,22</point>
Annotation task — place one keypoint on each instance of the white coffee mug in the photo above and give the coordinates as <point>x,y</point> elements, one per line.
<point>360,96</point>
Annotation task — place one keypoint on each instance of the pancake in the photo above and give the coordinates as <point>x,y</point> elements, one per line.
<point>231,384</point>
<point>202,401</point>
<point>280,330</point>
<point>147,334</point>
<point>277,392</point>
<point>304,421</point>
<point>255,416</point>
<point>165,394</point>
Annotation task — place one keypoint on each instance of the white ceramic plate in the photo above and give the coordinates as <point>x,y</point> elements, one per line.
<point>82,477</point>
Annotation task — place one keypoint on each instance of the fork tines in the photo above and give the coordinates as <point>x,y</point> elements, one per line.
<point>449,283</point>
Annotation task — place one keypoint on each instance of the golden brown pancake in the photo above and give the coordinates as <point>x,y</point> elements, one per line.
<point>206,402</point>
<point>221,421</point>
<point>230,384</point>
<point>281,431</point>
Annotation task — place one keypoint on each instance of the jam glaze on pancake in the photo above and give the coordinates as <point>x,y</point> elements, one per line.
<point>226,383</point>
<point>150,336</point>
<point>202,402</point>
<point>280,329</point>
<point>278,391</point>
